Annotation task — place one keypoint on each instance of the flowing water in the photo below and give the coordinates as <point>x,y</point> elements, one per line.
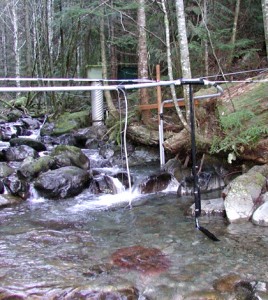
<point>58,244</point>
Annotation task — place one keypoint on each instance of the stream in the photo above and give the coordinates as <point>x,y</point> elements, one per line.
<point>50,248</point>
<point>47,245</point>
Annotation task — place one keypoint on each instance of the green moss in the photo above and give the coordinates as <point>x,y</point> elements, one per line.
<point>68,122</point>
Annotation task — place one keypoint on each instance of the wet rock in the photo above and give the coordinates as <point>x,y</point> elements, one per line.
<point>2,187</point>
<point>139,258</point>
<point>19,153</point>
<point>212,207</point>
<point>99,269</point>
<point>241,194</point>
<point>155,183</point>
<point>207,181</point>
<point>143,155</point>
<point>175,167</point>
<point>36,145</point>
<point>16,186</point>
<point>203,295</point>
<point>90,135</point>
<point>31,123</point>
<point>245,290</point>
<point>8,200</point>
<point>62,183</point>
<point>64,139</point>
<point>5,170</point>
<point>260,216</point>
<point>7,131</point>
<point>67,123</point>
<point>31,168</point>
<point>227,283</point>
<point>70,156</point>
<point>72,293</point>
<point>113,185</point>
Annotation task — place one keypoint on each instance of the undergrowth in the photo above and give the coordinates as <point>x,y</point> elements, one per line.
<point>239,129</point>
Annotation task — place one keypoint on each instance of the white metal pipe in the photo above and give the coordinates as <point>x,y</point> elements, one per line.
<point>97,105</point>
<point>87,87</point>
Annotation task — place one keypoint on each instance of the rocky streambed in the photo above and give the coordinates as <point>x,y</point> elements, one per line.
<point>68,232</point>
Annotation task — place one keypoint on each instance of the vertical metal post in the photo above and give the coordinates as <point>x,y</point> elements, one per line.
<point>193,154</point>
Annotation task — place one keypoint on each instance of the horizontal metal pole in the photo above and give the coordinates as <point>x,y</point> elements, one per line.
<point>88,87</point>
<point>23,79</point>
<point>106,87</point>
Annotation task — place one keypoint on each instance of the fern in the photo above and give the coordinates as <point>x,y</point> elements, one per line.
<point>238,132</point>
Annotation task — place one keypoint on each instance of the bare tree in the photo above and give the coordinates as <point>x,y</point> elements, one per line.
<point>109,101</point>
<point>184,51</point>
<point>234,32</point>
<point>143,58</point>
<point>16,39</point>
<point>169,62</point>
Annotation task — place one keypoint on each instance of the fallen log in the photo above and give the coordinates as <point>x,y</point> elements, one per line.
<point>143,135</point>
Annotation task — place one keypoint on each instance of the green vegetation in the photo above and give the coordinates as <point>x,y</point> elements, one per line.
<point>246,125</point>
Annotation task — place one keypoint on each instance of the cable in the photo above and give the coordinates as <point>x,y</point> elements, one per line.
<point>236,73</point>
<point>122,90</point>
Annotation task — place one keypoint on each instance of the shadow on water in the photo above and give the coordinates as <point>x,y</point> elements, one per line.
<point>68,243</point>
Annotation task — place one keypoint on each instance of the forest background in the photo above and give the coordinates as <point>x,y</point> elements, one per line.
<point>63,38</point>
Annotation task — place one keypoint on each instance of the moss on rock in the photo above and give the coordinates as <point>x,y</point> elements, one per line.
<point>68,122</point>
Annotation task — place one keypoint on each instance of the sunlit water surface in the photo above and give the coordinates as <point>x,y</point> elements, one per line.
<point>50,243</point>
<point>56,243</point>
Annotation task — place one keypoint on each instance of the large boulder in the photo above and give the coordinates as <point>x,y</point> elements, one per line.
<point>242,193</point>
<point>19,153</point>
<point>70,156</point>
<point>66,123</point>
<point>62,183</point>
<point>36,145</point>
<point>31,168</point>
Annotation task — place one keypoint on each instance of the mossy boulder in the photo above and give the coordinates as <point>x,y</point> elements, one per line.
<point>70,156</point>
<point>31,168</point>
<point>67,123</point>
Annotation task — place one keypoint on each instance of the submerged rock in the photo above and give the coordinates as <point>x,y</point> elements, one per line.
<point>227,283</point>
<point>139,258</point>
<point>210,207</point>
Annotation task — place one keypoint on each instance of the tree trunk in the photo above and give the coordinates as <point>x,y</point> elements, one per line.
<point>28,43</point>
<point>16,41</point>
<point>265,23</point>
<point>4,48</point>
<point>143,59</point>
<point>170,69</point>
<point>234,32</point>
<point>205,20</point>
<point>108,97</point>
<point>184,52</point>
